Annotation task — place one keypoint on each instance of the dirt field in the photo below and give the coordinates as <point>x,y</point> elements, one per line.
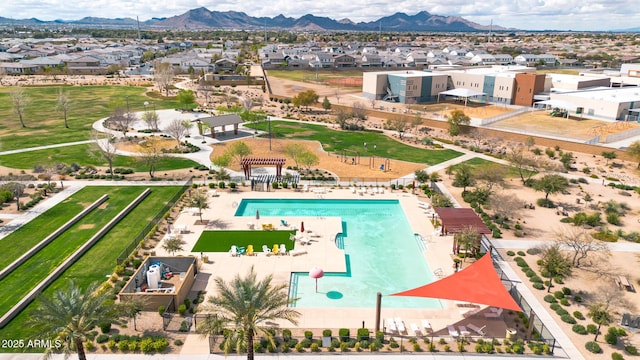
<point>542,122</point>
<point>330,162</point>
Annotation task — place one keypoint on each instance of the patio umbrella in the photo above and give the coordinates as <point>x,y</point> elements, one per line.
<point>302,227</point>
<point>168,228</point>
<point>257,215</point>
<point>316,273</point>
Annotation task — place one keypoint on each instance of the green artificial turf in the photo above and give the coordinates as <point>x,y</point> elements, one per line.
<point>221,240</point>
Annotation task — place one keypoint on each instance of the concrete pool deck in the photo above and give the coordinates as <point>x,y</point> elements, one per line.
<point>321,252</point>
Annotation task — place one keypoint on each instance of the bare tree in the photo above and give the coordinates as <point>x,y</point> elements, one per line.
<point>246,102</point>
<point>121,120</point>
<point>400,124</point>
<point>104,147</point>
<point>177,130</point>
<point>491,175</point>
<point>504,204</point>
<point>163,76</point>
<point>20,102</point>
<point>17,190</point>
<point>606,302</point>
<point>359,111</point>
<point>586,251</point>
<point>152,119</point>
<point>525,164</point>
<point>151,154</point>
<point>64,103</point>
<point>337,94</point>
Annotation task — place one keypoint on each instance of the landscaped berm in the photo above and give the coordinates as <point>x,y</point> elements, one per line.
<point>222,240</point>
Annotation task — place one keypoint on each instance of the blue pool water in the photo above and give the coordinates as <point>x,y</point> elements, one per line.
<point>381,251</point>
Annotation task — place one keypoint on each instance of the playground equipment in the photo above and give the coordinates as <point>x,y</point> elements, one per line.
<point>557,112</point>
<point>350,156</point>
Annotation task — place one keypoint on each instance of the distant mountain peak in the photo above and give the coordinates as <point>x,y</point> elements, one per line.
<point>203,18</point>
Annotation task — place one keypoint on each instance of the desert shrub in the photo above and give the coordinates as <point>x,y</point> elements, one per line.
<point>105,327</point>
<point>617,356</point>
<point>178,342</point>
<point>315,347</point>
<point>363,334</point>
<point>568,319</point>
<point>102,338</point>
<point>555,307</point>
<point>611,337</point>
<point>305,343</point>
<point>534,251</point>
<point>326,332</point>
<point>562,312</point>
<point>550,299</point>
<point>565,302</point>
<point>521,253</point>
<point>308,334</point>
<point>511,253</point>
<point>631,350</point>
<point>344,335</point>
<point>579,329</point>
<point>298,346</point>
<point>182,309</point>
<point>447,348</point>
<point>558,295</point>
<point>566,291</point>
<point>538,285</point>
<point>344,347</point>
<point>593,347</point>
<point>578,315</point>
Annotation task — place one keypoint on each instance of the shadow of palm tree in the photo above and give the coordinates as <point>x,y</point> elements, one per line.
<point>218,224</point>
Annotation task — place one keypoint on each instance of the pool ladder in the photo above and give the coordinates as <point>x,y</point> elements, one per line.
<point>339,240</point>
<point>422,242</point>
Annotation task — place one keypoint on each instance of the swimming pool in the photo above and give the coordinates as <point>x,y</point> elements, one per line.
<point>381,253</point>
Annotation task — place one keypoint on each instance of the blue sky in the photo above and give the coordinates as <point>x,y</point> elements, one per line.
<point>578,15</point>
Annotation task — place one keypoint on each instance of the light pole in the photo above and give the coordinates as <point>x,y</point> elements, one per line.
<point>146,103</point>
<point>269,120</point>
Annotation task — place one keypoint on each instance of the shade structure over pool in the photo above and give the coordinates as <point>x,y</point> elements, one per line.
<point>478,283</point>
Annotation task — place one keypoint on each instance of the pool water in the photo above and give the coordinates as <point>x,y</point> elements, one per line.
<point>381,252</point>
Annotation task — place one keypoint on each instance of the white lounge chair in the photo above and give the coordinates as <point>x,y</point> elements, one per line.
<point>479,330</point>
<point>426,325</point>
<point>283,249</point>
<point>452,331</point>
<point>400,325</point>
<point>391,325</point>
<point>380,190</point>
<point>304,240</point>
<point>234,251</point>
<point>352,189</point>
<point>266,250</point>
<point>438,273</point>
<point>416,329</point>
<point>464,331</point>
<point>296,252</point>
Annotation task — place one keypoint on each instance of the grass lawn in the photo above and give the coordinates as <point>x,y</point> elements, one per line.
<point>45,123</point>
<point>477,163</point>
<point>35,269</point>
<point>221,240</point>
<point>333,140</point>
<point>99,261</point>
<point>81,155</point>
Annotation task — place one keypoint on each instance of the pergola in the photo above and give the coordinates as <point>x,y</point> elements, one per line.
<point>222,121</point>
<point>463,93</point>
<point>246,164</point>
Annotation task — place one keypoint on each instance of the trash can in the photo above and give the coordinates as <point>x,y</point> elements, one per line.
<point>511,333</point>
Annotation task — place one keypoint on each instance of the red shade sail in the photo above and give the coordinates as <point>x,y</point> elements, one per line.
<point>478,283</point>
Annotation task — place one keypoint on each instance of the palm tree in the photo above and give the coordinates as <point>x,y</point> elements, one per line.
<point>248,304</point>
<point>199,200</point>
<point>601,315</point>
<point>70,314</point>
<point>131,308</point>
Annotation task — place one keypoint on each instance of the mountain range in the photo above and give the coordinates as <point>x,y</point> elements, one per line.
<point>202,18</point>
